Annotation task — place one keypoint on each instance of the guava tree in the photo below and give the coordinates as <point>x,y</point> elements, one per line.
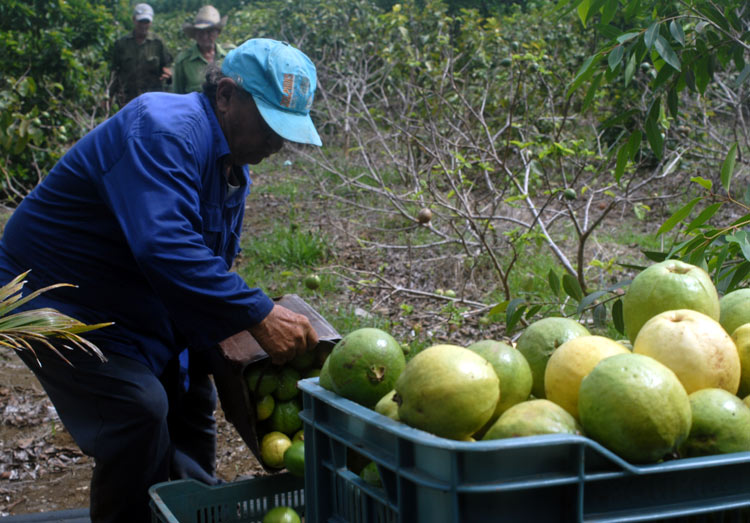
<point>694,107</point>
<point>467,116</point>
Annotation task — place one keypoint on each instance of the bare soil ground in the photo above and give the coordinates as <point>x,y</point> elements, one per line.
<point>42,469</point>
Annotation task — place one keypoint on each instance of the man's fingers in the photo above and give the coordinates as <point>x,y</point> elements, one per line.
<point>312,339</point>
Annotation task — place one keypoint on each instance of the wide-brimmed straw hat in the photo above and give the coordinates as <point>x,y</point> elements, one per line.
<point>208,17</point>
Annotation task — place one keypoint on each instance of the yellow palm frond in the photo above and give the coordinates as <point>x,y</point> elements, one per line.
<point>19,330</point>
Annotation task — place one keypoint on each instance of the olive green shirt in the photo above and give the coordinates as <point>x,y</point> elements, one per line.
<point>190,69</point>
<point>137,67</point>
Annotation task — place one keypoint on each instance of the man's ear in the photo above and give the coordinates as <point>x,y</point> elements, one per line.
<point>225,90</point>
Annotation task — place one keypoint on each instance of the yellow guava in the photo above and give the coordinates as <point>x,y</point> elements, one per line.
<point>570,363</point>
<point>695,346</point>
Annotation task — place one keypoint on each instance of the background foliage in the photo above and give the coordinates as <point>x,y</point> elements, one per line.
<point>524,127</point>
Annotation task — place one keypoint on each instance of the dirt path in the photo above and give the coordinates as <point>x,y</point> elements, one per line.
<point>42,469</point>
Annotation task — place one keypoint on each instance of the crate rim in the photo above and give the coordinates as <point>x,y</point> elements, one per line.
<point>311,386</point>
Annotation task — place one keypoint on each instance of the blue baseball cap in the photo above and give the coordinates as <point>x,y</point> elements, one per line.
<point>282,81</point>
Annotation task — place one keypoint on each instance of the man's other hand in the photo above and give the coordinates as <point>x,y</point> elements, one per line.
<point>166,74</point>
<point>284,334</point>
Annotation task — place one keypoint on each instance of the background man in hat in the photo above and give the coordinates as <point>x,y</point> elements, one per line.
<point>190,66</point>
<point>144,216</point>
<point>140,60</point>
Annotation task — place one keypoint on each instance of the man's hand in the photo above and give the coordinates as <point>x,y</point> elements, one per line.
<point>166,73</point>
<point>284,334</point>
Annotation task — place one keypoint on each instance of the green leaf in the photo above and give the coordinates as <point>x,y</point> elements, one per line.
<point>706,184</point>
<point>739,275</point>
<point>584,72</point>
<point>741,239</point>
<point>713,14</point>
<point>572,287</point>
<point>600,315</point>
<point>591,92</point>
<point>672,101</point>
<point>499,308</point>
<point>743,75</point>
<point>609,10</point>
<point>677,217</point>
<point>626,37</point>
<point>617,317</point>
<point>532,311</point>
<point>513,313</point>
<point>703,217</point>
<point>583,11</point>
<point>650,35</point>
<point>630,69</point>
<point>703,75</point>
<point>666,52</point>
<point>619,285</point>
<point>622,161</point>
<point>589,300</point>
<point>554,282</point>
<point>634,143</point>
<point>727,168</point>
<point>651,255</point>
<point>677,33</point>
<point>719,260</point>
<point>615,57</point>
<point>653,134</point>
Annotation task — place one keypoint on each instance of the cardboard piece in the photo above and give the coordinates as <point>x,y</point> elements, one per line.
<point>230,362</point>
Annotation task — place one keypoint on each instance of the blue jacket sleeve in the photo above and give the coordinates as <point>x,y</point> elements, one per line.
<point>154,191</point>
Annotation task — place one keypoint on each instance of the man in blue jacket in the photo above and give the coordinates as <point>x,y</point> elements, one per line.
<point>144,216</point>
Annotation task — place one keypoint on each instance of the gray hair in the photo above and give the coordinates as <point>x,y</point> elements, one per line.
<point>213,76</point>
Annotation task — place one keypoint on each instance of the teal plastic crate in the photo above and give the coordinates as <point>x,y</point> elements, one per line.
<point>245,501</point>
<point>533,479</point>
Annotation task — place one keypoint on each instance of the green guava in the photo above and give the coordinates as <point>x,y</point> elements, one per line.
<point>325,377</point>
<point>371,475</point>
<point>741,339</point>
<point>365,364</point>
<point>512,370</point>
<point>634,406</point>
<point>285,417</point>
<point>533,417</point>
<point>666,286</point>
<point>262,380</point>
<point>540,339</point>
<point>303,361</point>
<point>734,309</point>
<point>721,424</point>
<point>447,390</point>
<point>287,388</point>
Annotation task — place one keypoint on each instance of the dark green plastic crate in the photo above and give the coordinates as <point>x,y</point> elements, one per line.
<point>245,501</point>
<point>553,478</point>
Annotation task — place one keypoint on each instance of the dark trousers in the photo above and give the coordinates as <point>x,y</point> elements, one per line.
<point>139,429</point>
